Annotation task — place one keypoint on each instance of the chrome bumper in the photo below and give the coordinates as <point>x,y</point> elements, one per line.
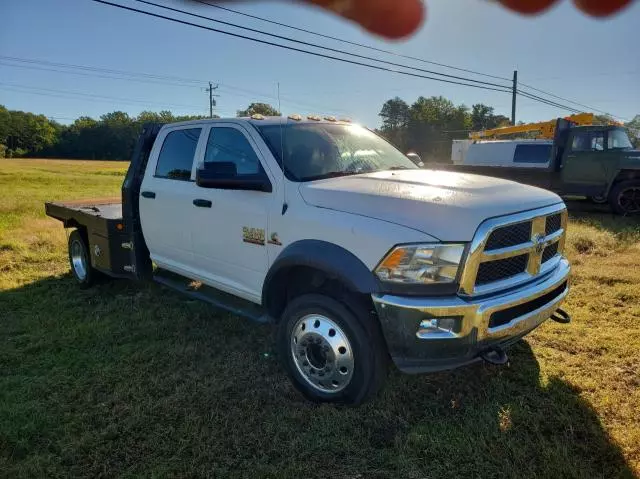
<point>430,334</point>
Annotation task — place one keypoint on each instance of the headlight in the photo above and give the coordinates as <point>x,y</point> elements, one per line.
<point>421,264</point>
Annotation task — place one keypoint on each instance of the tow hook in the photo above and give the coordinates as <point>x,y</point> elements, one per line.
<point>495,355</point>
<point>561,316</point>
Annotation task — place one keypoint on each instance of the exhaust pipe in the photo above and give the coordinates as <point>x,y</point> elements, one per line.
<point>561,316</point>
<point>495,355</point>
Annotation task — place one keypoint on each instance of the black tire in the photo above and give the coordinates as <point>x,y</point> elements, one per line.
<point>619,198</point>
<point>80,259</point>
<point>364,340</point>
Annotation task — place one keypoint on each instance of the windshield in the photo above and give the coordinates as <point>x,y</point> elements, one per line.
<point>324,150</point>
<point>618,139</point>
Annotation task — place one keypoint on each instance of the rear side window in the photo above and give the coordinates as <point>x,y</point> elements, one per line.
<point>532,154</point>
<point>177,153</point>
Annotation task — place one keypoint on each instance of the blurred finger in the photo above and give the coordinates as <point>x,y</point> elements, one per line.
<point>601,8</point>
<point>391,19</point>
<point>528,7</point>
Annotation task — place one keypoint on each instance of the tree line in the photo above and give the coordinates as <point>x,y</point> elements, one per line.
<point>429,125</point>
<point>426,127</point>
<point>111,137</point>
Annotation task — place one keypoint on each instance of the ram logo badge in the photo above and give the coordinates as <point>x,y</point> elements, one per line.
<point>253,235</point>
<point>275,240</point>
<point>539,243</point>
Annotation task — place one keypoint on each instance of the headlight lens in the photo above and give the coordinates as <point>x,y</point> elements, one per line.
<point>422,264</point>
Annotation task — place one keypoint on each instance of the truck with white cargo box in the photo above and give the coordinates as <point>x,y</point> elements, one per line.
<point>327,231</point>
<point>585,159</point>
<point>502,153</point>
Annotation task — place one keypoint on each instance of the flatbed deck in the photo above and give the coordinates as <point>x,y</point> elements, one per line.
<point>106,208</point>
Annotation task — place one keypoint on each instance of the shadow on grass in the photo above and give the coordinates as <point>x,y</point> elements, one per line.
<point>127,379</point>
<point>601,217</point>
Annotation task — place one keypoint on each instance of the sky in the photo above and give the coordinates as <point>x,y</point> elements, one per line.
<point>589,61</point>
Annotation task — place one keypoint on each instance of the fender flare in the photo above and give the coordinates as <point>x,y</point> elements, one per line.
<point>333,260</point>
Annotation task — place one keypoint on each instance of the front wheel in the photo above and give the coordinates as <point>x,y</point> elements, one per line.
<point>331,353</point>
<point>625,198</point>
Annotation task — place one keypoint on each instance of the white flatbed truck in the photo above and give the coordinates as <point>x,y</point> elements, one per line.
<point>321,227</point>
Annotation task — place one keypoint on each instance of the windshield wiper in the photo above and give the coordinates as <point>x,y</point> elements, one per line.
<point>331,174</point>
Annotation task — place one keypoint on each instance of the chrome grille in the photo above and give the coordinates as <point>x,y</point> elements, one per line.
<point>501,269</point>
<point>511,235</point>
<point>549,252</point>
<point>511,250</point>
<point>553,223</point>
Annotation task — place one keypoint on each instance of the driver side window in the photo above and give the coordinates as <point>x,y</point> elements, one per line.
<point>230,147</point>
<point>588,142</point>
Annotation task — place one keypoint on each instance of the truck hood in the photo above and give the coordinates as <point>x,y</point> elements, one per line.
<point>447,205</point>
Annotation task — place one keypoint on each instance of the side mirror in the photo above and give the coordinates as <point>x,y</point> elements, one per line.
<point>224,176</point>
<point>416,159</point>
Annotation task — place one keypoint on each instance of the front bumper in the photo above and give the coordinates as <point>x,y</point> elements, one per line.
<point>434,334</point>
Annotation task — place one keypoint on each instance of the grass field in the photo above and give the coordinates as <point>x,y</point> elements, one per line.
<point>133,380</point>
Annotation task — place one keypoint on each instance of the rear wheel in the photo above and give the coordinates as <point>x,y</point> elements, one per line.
<point>625,198</point>
<point>332,354</point>
<point>79,259</point>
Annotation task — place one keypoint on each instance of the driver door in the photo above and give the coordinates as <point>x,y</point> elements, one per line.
<point>585,168</point>
<point>230,226</point>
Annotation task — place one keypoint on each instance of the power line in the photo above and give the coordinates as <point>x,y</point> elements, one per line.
<point>314,45</point>
<point>105,70</point>
<point>71,94</point>
<point>369,47</point>
<point>395,54</point>
<point>548,102</point>
<point>88,71</point>
<point>321,55</point>
<point>570,101</point>
<point>97,75</point>
<point>594,75</point>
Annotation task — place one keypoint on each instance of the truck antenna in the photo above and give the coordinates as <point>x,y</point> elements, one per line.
<point>285,206</point>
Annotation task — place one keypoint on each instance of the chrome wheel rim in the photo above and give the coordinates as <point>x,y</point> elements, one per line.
<point>322,353</point>
<point>629,199</point>
<point>78,260</point>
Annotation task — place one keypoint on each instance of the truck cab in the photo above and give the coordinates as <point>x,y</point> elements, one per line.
<point>355,254</point>
<point>594,160</point>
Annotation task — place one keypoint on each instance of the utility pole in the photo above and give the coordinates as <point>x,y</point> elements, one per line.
<point>212,101</point>
<point>513,99</point>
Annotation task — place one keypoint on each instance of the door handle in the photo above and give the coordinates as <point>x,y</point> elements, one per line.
<point>202,203</point>
<point>148,194</point>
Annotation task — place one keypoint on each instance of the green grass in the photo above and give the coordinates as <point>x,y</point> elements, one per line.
<point>133,380</point>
